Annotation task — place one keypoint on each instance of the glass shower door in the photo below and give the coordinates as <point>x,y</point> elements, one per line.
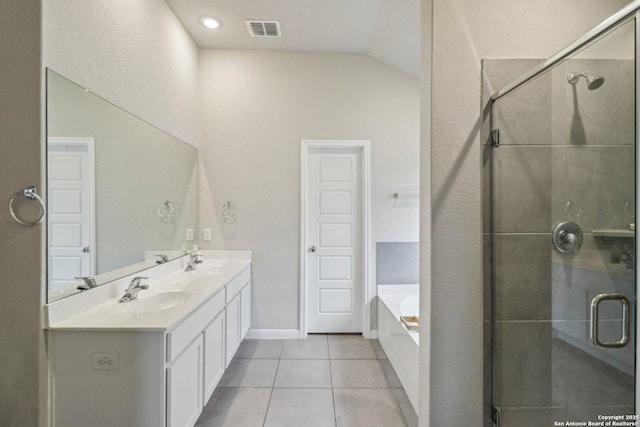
<point>563,240</point>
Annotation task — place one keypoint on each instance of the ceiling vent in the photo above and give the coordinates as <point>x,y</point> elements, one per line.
<point>263,28</point>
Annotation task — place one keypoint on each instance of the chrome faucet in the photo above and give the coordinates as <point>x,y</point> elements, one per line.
<point>89,283</point>
<point>194,259</point>
<point>134,287</point>
<point>161,259</point>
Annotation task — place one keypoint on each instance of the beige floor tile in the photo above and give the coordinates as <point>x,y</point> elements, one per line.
<point>367,408</point>
<point>301,407</point>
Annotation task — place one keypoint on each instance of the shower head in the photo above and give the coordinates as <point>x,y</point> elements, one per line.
<point>593,81</point>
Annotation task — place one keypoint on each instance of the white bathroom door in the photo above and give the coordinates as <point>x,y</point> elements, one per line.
<point>70,182</point>
<point>334,272</point>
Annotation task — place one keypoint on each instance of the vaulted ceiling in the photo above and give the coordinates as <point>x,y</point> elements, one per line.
<point>388,30</point>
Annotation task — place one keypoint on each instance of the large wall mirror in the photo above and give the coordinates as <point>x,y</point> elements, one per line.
<point>120,191</point>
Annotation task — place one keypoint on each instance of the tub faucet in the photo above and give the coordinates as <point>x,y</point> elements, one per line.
<point>134,287</point>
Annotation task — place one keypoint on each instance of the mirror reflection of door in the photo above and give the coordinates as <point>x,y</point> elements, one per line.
<point>71,218</point>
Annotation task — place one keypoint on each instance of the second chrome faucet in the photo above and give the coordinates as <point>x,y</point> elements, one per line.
<point>134,288</point>
<point>194,259</point>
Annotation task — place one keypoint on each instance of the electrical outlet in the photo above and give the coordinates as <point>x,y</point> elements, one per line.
<point>189,234</point>
<point>104,361</point>
<point>207,234</point>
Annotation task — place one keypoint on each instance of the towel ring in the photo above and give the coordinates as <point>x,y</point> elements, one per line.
<point>30,193</point>
<point>229,212</point>
<point>167,212</point>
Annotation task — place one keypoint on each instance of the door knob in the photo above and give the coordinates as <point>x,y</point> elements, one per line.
<point>312,248</point>
<point>85,250</point>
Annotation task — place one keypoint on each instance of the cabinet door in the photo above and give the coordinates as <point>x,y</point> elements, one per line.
<point>184,386</point>
<point>213,354</point>
<point>245,310</point>
<point>232,327</point>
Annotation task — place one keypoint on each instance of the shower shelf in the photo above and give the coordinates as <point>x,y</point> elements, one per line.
<point>614,233</point>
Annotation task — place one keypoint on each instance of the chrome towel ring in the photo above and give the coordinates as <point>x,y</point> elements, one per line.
<point>167,212</point>
<point>30,193</point>
<point>229,212</point>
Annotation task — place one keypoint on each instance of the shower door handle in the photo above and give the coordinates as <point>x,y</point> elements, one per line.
<point>595,324</point>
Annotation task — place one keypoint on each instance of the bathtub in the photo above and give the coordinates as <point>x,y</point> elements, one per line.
<point>400,344</point>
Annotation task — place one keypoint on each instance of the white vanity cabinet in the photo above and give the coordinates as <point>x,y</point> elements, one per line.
<point>187,362</point>
<point>208,330</point>
<point>157,377</point>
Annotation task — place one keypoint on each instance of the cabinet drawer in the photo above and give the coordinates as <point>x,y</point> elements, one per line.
<point>192,326</point>
<point>238,283</point>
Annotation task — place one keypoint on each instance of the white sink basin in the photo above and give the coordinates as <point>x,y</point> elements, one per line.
<point>157,303</point>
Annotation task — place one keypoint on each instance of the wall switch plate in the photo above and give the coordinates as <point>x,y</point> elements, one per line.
<point>104,361</point>
<point>189,234</point>
<point>207,234</point>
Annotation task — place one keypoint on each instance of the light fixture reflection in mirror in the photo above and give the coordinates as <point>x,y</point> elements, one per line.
<point>108,175</point>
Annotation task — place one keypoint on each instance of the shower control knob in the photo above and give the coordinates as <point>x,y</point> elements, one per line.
<point>312,249</point>
<point>567,238</point>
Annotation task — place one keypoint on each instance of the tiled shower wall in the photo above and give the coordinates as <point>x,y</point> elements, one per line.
<point>565,153</point>
<point>397,263</point>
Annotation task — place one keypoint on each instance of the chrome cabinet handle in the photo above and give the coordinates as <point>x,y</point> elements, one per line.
<point>312,249</point>
<point>594,321</point>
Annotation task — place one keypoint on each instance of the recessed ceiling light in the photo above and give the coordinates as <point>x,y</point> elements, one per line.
<point>210,22</point>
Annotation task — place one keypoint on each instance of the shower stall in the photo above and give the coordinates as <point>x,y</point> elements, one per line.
<point>560,198</point>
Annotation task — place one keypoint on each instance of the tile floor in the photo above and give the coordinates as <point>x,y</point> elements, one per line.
<point>325,380</point>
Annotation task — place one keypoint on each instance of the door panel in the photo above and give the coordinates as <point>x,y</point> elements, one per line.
<point>335,235</point>
<point>334,261</point>
<point>335,301</point>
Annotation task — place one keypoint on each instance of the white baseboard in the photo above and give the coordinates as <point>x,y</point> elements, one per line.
<point>273,334</point>
<point>287,334</point>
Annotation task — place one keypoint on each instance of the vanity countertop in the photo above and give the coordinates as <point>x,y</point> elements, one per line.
<point>171,297</point>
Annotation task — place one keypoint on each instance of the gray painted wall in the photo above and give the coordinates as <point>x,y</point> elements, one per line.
<point>136,55</point>
<point>256,107</point>
<point>22,399</point>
